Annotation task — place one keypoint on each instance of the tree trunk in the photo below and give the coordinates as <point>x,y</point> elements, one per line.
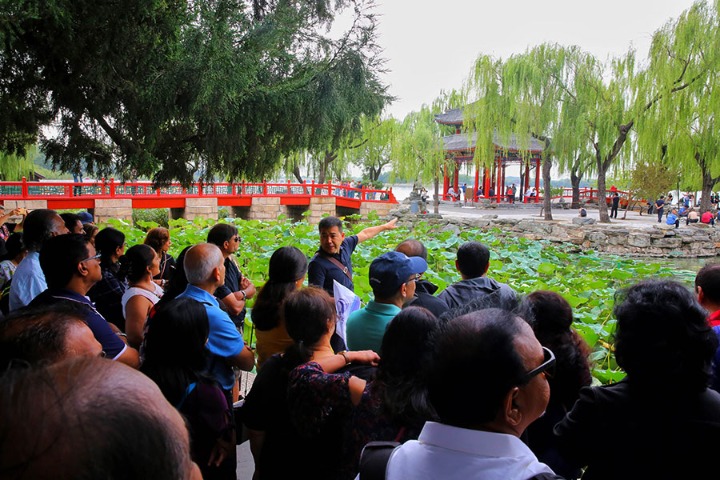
<point>296,172</point>
<point>575,179</point>
<point>546,168</point>
<point>325,165</point>
<point>436,197</point>
<point>708,182</point>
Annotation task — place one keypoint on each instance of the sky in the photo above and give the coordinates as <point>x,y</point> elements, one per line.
<point>430,45</point>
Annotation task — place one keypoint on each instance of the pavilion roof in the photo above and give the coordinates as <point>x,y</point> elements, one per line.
<point>451,117</point>
<point>464,142</point>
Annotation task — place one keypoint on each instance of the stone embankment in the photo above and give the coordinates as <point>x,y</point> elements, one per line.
<point>696,240</point>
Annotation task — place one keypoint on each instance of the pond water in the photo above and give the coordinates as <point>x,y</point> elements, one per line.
<point>687,263</point>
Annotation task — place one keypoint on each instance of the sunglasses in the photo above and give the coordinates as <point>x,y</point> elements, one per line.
<point>547,367</point>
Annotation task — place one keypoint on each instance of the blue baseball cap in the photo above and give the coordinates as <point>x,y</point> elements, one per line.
<point>390,270</point>
<point>85,217</point>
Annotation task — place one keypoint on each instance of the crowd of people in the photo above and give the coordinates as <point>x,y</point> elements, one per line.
<point>120,361</point>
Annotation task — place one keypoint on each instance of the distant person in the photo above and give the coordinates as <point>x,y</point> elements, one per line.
<point>615,203</point>
<point>107,294</point>
<point>582,213</point>
<point>71,268</point>
<point>286,273</point>
<point>333,260</point>
<point>205,270</point>
<point>672,218</point>
<point>424,289</point>
<point>73,223</point>
<point>452,194</point>
<point>174,358</point>
<point>159,239</point>
<point>46,335</point>
<point>707,218</point>
<point>237,289</point>
<point>29,280</point>
<point>392,278</point>
<point>9,261</point>
<point>659,207</point>
<point>707,290</point>
<point>138,267</point>
<point>664,428</point>
<point>481,416</point>
<point>473,263</point>
<point>692,216</point>
<point>90,418</point>
<point>551,318</point>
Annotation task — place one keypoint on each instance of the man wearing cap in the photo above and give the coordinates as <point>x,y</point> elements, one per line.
<point>392,279</point>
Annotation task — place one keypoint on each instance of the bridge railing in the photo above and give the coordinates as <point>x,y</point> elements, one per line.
<point>38,190</point>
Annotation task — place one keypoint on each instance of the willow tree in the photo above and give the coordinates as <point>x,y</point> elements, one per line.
<point>370,149</point>
<point>14,166</point>
<point>682,89</point>
<point>418,149</point>
<point>524,96</point>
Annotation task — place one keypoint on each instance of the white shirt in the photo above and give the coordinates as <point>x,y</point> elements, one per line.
<point>453,453</point>
<point>28,282</point>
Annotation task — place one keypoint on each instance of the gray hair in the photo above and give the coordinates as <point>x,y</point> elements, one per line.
<point>200,261</point>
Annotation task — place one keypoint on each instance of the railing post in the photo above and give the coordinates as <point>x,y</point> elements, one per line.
<point>24,189</point>
<point>312,186</point>
<point>264,187</point>
<point>288,187</point>
<point>200,187</point>
<point>112,187</point>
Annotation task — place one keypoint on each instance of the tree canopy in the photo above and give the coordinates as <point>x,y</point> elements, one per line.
<point>172,89</point>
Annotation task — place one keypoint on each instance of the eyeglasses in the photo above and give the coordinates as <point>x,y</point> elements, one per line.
<point>94,257</point>
<point>415,278</point>
<point>547,367</point>
<point>237,238</point>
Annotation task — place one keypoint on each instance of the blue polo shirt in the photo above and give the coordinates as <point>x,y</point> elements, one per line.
<point>111,343</point>
<point>322,272</point>
<point>366,327</point>
<point>224,340</point>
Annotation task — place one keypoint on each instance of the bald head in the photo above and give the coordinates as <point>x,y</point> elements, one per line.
<point>49,427</point>
<point>204,265</point>
<point>412,248</point>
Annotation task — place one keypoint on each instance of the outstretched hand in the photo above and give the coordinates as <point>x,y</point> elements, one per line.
<point>391,225</point>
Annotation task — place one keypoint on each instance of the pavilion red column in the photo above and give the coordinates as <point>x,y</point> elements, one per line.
<point>446,183</point>
<point>456,174</point>
<point>477,184</point>
<point>486,182</point>
<point>537,180</point>
<point>498,176</point>
<point>526,180</point>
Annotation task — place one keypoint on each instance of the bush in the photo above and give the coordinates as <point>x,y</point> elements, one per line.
<point>156,215</point>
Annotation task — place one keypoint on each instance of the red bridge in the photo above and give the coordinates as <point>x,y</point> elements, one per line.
<point>202,197</point>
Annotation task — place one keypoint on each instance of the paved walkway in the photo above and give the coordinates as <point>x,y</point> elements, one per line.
<point>633,219</point>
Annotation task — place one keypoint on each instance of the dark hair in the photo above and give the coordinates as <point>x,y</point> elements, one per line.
<point>330,222</point>
<point>475,364</point>
<point>60,257</point>
<point>90,230</point>
<point>308,314</point>
<point>157,237</point>
<point>221,233</point>
<point>178,282</point>
<point>662,332</point>
<point>113,436</point>
<point>412,248</point>
<point>551,317</point>
<point>404,361</point>
<point>71,220</point>
<point>707,278</point>
<point>13,246</point>
<point>37,335</point>
<point>287,266</point>
<point>175,353</point>
<point>134,264</point>
<point>37,228</point>
<point>473,259</point>
<point>107,241</point>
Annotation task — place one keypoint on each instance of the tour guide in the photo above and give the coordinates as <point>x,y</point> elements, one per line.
<point>333,260</point>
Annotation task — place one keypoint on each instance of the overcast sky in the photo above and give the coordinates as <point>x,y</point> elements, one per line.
<point>430,45</point>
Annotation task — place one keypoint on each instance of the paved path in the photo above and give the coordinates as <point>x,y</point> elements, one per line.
<point>632,220</point>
